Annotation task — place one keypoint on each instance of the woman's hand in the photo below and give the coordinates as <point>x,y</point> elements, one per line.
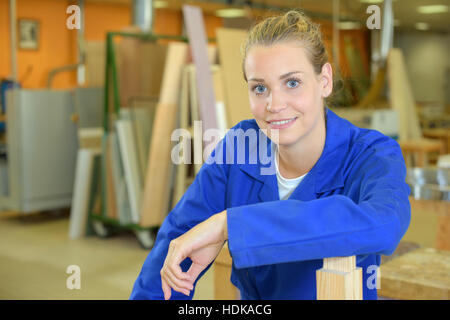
<point>201,244</point>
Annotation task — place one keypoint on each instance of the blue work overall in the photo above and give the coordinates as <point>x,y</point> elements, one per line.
<point>354,201</point>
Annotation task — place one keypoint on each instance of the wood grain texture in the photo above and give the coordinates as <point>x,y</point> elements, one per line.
<point>339,279</point>
<point>235,88</point>
<point>195,28</point>
<point>401,97</point>
<point>422,274</point>
<point>197,131</point>
<point>185,156</point>
<point>156,194</point>
<point>95,63</point>
<point>430,224</point>
<point>111,204</point>
<point>140,68</point>
<point>130,162</point>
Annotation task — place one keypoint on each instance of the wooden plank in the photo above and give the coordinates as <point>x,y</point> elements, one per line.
<point>195,28</point>
<point>95,63</point>
<point>177,53</point>
<point>81,192</point>
<point>424,222</point>
<point>430,224</point>
<point>181,169</point>
<point>131,166</point>
<point>195,120</point>
<point>222,122</point>
<point>401,97</point>
<point>235,88</point>
<point>90,138</point>
<point>339,279</point>
<point>128,67</point>
<point>419,150</point>
<point>422,274</point>
<point>155,201</point>
<point>443,232</point>
<point>110,194</point>
<point>120,186</point>
<point>140,67</point>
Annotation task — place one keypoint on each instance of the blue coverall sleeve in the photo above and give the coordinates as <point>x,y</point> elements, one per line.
<point>292,230</point>
<point>204,197</point>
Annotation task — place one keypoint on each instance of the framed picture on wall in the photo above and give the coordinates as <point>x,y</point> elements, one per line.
<point>28,34</point>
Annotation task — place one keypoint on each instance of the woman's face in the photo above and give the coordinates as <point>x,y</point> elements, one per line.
<point>285,93</point>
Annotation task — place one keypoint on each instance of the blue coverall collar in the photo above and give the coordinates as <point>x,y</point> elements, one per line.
<point>325,175</point>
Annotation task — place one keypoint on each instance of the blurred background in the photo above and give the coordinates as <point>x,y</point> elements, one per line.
<point>91,91</point>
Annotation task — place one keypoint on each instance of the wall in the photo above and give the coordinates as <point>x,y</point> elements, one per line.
<point>57,44</point>
<point>427,62</point>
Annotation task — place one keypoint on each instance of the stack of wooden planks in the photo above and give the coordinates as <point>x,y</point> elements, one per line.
<point>163,87</point>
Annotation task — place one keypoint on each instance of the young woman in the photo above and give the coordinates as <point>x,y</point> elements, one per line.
<point>338,190</point>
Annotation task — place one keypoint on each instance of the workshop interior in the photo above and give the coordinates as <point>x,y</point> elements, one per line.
<point>87,170</point>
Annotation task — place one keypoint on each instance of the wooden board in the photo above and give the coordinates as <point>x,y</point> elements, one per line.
<point>120,186</point>
<point>235,88</point>
<point>401,97</point>
<point>140,68</point>
<point>430,224</point>
<point>424,222</point>
<point>156,195</point>
<point>422,274</point>
<point>222,122</point>
<point>110,194</point>
<point>131,166</point>
<point>195,28</point>
<point>95,63</point>
<point>181,169</point>
<point>81,192</point>
<point>197,132</point>
<point>339,279</point>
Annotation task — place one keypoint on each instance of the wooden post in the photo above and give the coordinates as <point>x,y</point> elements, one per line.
<point>339,279</point>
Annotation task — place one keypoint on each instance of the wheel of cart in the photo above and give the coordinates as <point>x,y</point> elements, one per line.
<point>146,237</point>
<point>101,229</point>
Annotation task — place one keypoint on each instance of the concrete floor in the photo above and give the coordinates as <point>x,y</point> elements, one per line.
<point>35,251</point>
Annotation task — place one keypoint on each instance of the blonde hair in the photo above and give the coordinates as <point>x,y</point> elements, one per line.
<point>292,26</point>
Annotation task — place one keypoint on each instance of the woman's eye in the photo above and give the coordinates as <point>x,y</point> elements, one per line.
<point>292,83</point>
<point>259,89</point>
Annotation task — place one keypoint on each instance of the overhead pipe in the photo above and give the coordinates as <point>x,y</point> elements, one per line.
<point>143,14</point>
<point>13,39</point>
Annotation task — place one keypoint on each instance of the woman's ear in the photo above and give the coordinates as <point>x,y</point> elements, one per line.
<point>326,79</point>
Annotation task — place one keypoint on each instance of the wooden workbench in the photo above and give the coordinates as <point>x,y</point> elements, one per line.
<point>422,274</point>
<point>442,134</point>
<point>420,149</point>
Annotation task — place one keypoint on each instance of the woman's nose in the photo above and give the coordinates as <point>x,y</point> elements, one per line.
<point>276,103</point>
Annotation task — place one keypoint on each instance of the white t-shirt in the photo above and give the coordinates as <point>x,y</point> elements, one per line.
<point>286,186</point>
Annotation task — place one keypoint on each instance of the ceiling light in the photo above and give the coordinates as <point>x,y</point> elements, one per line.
<point>422,26</point>
<point>371,1</point>
<point>160,4</point>
<point>230,13</point>
<point>438,8</point>
<point>349,25</point>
